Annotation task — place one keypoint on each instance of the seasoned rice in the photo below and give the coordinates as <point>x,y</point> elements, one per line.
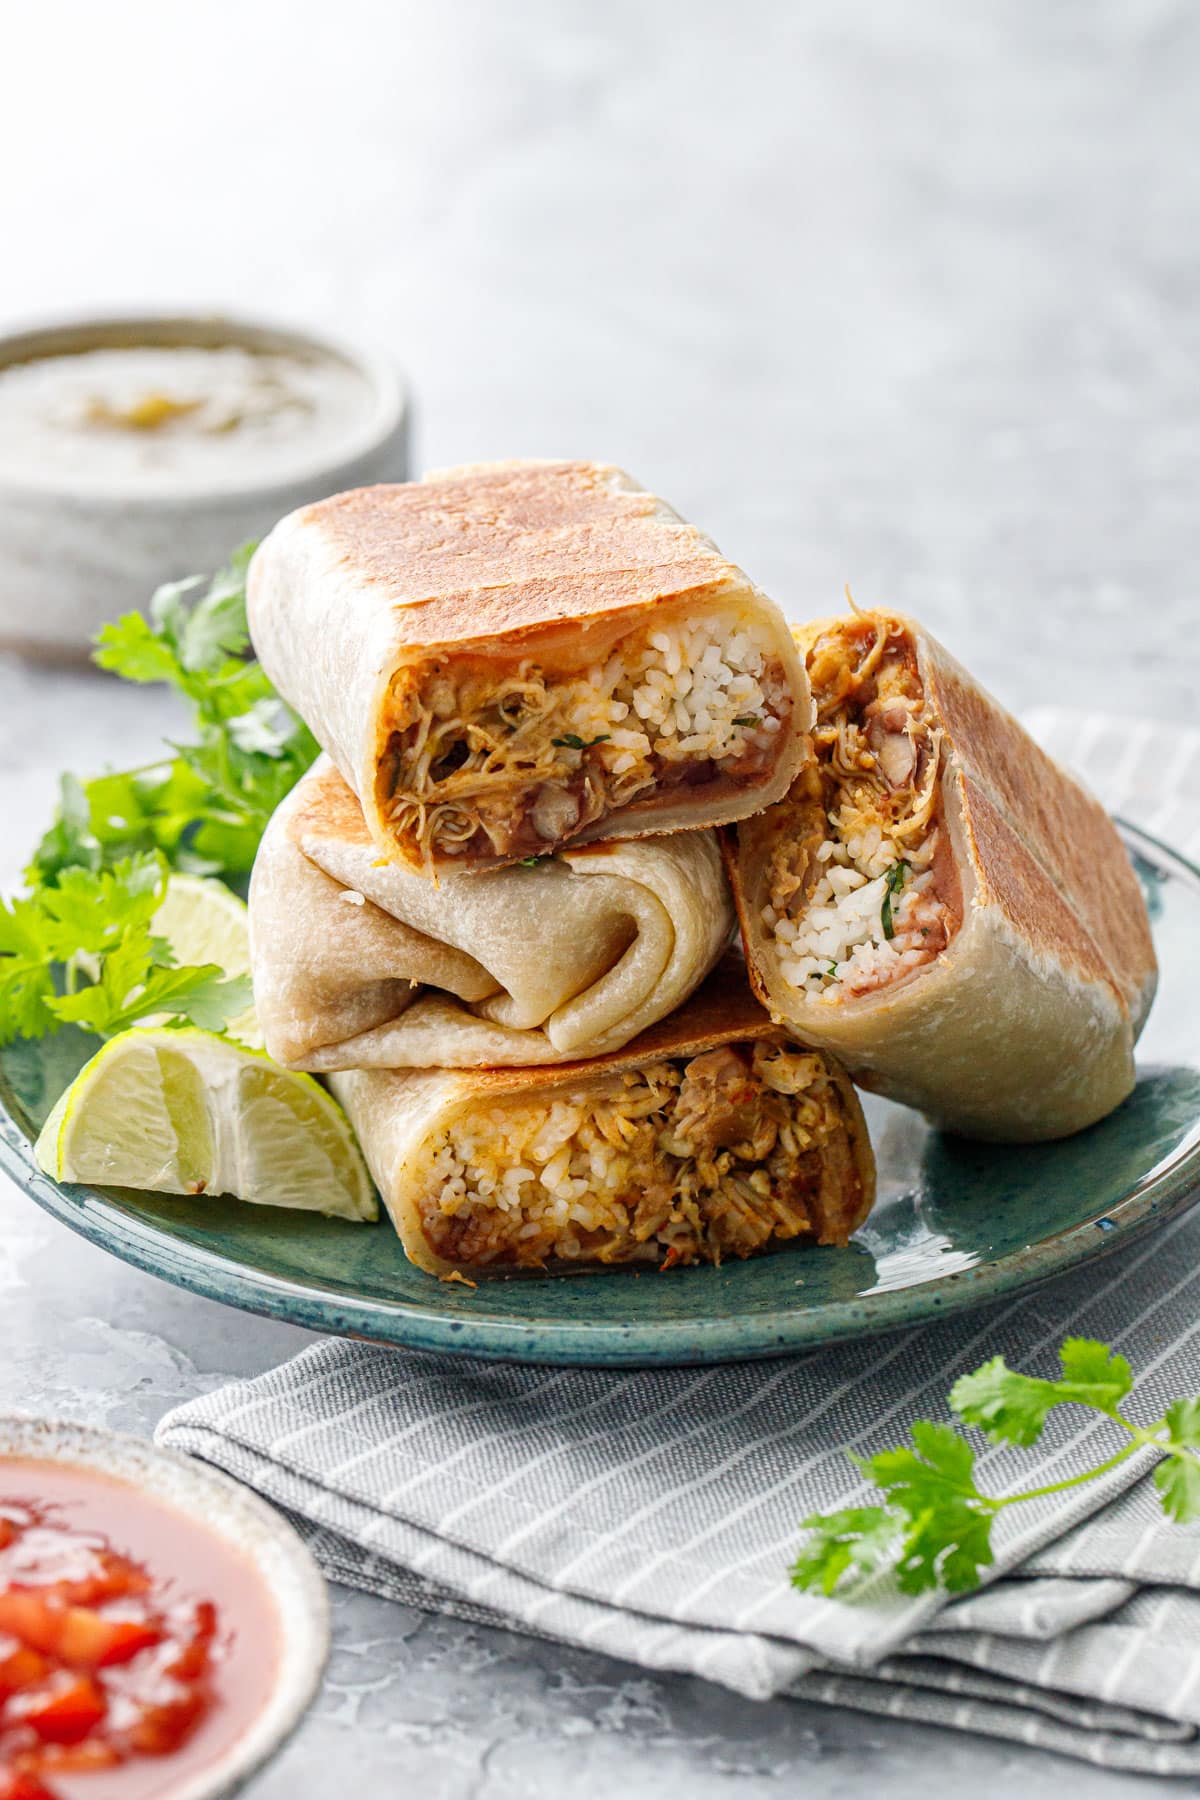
<point>635,1172</point>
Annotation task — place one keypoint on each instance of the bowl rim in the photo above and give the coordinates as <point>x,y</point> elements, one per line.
<point>218,1504</point>
<point>386,419</point>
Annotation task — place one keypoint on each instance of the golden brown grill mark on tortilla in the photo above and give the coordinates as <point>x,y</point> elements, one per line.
<point>519,548</point>
<point>326,808</point>
<point>1021,887</point>
<point>1063,827</point>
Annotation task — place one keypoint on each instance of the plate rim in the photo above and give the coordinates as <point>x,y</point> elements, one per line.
<point>1159,1196</point>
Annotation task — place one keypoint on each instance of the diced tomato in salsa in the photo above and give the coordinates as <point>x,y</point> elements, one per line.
<point>21,1785</point>
<point>63,1713</point>
<point>78,1629</point>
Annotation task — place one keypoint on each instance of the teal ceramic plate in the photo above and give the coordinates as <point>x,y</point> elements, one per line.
<point>956,1223</point>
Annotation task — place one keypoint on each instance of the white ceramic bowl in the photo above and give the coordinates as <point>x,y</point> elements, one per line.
<point>76,551</point>
<point>221,1507</point>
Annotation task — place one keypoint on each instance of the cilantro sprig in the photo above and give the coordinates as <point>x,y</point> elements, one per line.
<point>934,1528</point>
<point>96,924</point>
<point>205,805</point>
<point>893,882</point>
<point>78,947</point>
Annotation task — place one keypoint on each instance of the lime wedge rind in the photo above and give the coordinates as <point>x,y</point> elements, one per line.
<point>183,1111</point>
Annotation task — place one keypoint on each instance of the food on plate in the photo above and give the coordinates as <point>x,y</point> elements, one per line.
<point>710,1137</point>
<point>505,658</point>
<point>179,1111</point>
<point>939,903</point>
<point>360,963</point>
<point>131,1639</point>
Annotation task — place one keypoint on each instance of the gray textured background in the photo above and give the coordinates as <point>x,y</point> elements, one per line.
<point>903,295</point>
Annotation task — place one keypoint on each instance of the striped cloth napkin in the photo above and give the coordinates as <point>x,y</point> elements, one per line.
<point>652,1515</point>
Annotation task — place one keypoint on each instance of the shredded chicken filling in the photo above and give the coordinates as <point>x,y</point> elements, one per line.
<point>480,764</point>
<point>734,1151</point>
<point>859,893</point>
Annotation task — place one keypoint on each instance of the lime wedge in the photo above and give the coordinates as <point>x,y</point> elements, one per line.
<point>187,1112</point>
<point>205,923</point>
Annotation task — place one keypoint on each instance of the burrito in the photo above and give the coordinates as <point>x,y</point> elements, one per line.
<point>708,1138</point>
<point>510,657</point>
<point>359,963</point>
<point>939,903</point>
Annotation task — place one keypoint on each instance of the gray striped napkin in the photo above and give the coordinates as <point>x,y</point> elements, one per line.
<point>652,1514</point>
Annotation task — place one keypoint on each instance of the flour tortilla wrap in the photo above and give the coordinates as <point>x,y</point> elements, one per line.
<point>506,658</point>
<point>1029,968</point>
<point>709,1137</point>
<point>359,963</point>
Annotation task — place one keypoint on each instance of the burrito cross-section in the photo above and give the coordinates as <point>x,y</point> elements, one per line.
<point>939,903</point>
<point>712,1136</point>
<point>504,658</point>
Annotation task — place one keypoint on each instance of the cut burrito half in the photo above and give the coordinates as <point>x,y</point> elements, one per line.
<point>710,1137</point>
<point>359,963</point>
<point>941,904</point>
<point>510,657</point>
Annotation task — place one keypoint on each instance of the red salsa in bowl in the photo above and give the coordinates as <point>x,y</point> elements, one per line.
<point>136,1645</point>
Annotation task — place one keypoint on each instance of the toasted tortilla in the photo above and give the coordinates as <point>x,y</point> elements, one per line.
<point>403,1117</point>
<point>358,963</point>
<point>1024,1027</point>
<point>552,565</point>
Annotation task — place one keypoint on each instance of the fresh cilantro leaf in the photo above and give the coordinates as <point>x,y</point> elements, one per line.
<point>1183,1423</point>
<point>26,989</point>
<point>90,911</point>
<point>947,1521</point>
<point>169,608</point>
<point>1012,1408</point>
<point>940,1463</point>
<point>204,995</point>
<point>26,978</point>
<point>97,923</point>
<point>146,810</point>
<point>123,972</point>
<point>206,806</point>
<point>572,742</point>
<point>893,882</point>
<point>946,1547</point>
<point>1178,1485</point>
<point>857,1542</point>
<point>134,650</point>
<point>940,1522</point>
<point>1096,1375</point>
<point>216,628</point>
<point>131,988</point>
<point>746,719</point>
<point>1177,1478</point>
<point>70,840</point>
<point>268,727</point>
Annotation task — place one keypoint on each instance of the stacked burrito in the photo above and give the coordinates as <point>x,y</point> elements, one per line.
<point>568,746</point>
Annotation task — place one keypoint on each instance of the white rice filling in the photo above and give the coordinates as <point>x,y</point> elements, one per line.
<point>686,691</point>
<point>679,693</point>
<point>840,945</point>
<point>555,1173</point>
